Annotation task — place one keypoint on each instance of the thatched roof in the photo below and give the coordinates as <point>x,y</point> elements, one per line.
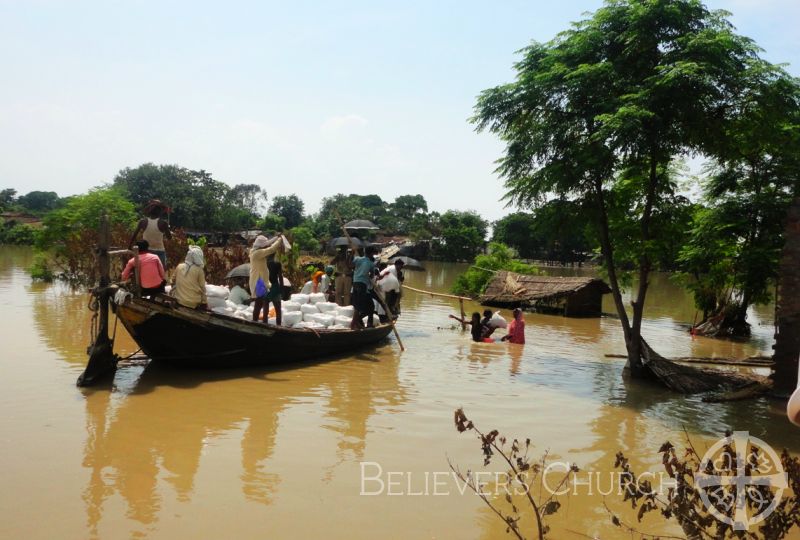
<point>511,288</point>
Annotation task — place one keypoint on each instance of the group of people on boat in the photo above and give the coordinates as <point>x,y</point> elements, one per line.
<point>350,278</point>
<point>372,288</point>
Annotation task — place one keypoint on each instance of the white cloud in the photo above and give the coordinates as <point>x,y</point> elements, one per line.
<point>347,125</point>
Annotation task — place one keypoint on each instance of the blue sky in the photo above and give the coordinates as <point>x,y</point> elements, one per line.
<point>312,98</point>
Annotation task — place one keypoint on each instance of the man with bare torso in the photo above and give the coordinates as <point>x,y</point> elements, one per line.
<point>154,229</point>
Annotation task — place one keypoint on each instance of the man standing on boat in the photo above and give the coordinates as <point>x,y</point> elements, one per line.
<point>394,289</point>
<point>262,248</point>
<point>363,268</point>
<point>154,229</point>
<point>343,277</point>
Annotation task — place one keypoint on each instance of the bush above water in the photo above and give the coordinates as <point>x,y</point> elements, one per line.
<point>473,282</point>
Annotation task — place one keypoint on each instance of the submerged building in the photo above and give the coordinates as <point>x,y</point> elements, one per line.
<point>568,296</point>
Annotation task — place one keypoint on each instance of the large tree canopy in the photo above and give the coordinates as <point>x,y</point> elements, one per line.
<point>732,257</point>
<point>39,201</point>
<point>289,207</point>
<point>197,200</point>
<point>613,101</point>
<point>462,235</point>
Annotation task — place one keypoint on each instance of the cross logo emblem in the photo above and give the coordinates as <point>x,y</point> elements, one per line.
<point>738,480</point>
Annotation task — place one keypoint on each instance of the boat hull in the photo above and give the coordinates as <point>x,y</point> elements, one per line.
<point>186,337</point>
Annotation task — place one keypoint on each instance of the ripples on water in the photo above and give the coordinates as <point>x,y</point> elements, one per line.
<point>275,452</point>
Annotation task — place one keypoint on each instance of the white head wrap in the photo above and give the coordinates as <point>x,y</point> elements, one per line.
<point>194,257</point>
<point>261,241</point>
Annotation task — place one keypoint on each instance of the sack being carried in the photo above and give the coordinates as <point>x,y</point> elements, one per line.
<point>497,321</point>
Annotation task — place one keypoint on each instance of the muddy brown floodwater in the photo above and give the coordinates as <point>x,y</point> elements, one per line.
<point>340,449</point>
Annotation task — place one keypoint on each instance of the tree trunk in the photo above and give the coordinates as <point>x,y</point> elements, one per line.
<point>632,346</point>
<point>787,338</point>
<point>634,365</point>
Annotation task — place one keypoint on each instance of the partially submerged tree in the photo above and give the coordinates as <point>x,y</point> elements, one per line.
<point>733,254</point>
<point>617,98</point>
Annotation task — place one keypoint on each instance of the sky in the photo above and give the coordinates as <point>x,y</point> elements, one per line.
<point>308,97</point>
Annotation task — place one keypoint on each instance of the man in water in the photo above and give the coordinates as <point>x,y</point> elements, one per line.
<point>486,323</point>
<point>516,330</point>
<point>154,229</point>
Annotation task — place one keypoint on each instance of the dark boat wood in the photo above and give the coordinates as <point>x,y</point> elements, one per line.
<point>186,337</point>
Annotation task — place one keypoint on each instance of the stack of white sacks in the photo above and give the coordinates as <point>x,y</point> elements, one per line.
<point>312,311</point>
<point>218,303</point>
<point>300,311</point>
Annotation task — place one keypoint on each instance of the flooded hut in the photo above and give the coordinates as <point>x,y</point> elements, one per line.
<point>570,296</point>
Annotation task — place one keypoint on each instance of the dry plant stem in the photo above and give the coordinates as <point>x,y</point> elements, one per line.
<point>479,493</point>
<point>633,530</point>
<point>517,477</point>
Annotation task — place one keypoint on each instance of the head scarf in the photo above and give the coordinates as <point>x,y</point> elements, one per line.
<point>261,241</point>
<point>194,257</point>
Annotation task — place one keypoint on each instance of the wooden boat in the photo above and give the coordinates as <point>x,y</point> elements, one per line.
<point>170,333</point>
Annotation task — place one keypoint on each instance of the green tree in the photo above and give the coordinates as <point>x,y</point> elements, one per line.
<point>462,235</point>
<point>83,212</point>
<point>196,199</point>
<point>248,197</point>
<point>7,198</point>
<point>473,282</point>
<point>273,222</point>
<point>616,98</point>
<point>406,214</point>
<point>39,201</point>
<point>290,208</point>
<point>732,256</point>
<point>18,234</point>
<point>408,206</point>
<point>349,207</point>
<point>305,239</point>
<point>516,231</point>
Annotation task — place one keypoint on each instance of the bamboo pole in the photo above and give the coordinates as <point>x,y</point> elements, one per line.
<point>101,354</point>
<point>377,295</point>
<point>137,278</point>
<point>443,295</point>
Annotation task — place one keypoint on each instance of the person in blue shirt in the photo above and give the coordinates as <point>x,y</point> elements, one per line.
<point>363,270</point>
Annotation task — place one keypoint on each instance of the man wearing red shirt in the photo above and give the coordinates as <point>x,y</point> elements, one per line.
<point>151,271</point>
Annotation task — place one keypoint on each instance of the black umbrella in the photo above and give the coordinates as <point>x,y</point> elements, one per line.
<point>360,225</point>
<point>408,263</point>
<point>243,270</point>
<point>342,241</point>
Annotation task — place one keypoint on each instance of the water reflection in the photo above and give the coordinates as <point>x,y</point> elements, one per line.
<point>158,428</point>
